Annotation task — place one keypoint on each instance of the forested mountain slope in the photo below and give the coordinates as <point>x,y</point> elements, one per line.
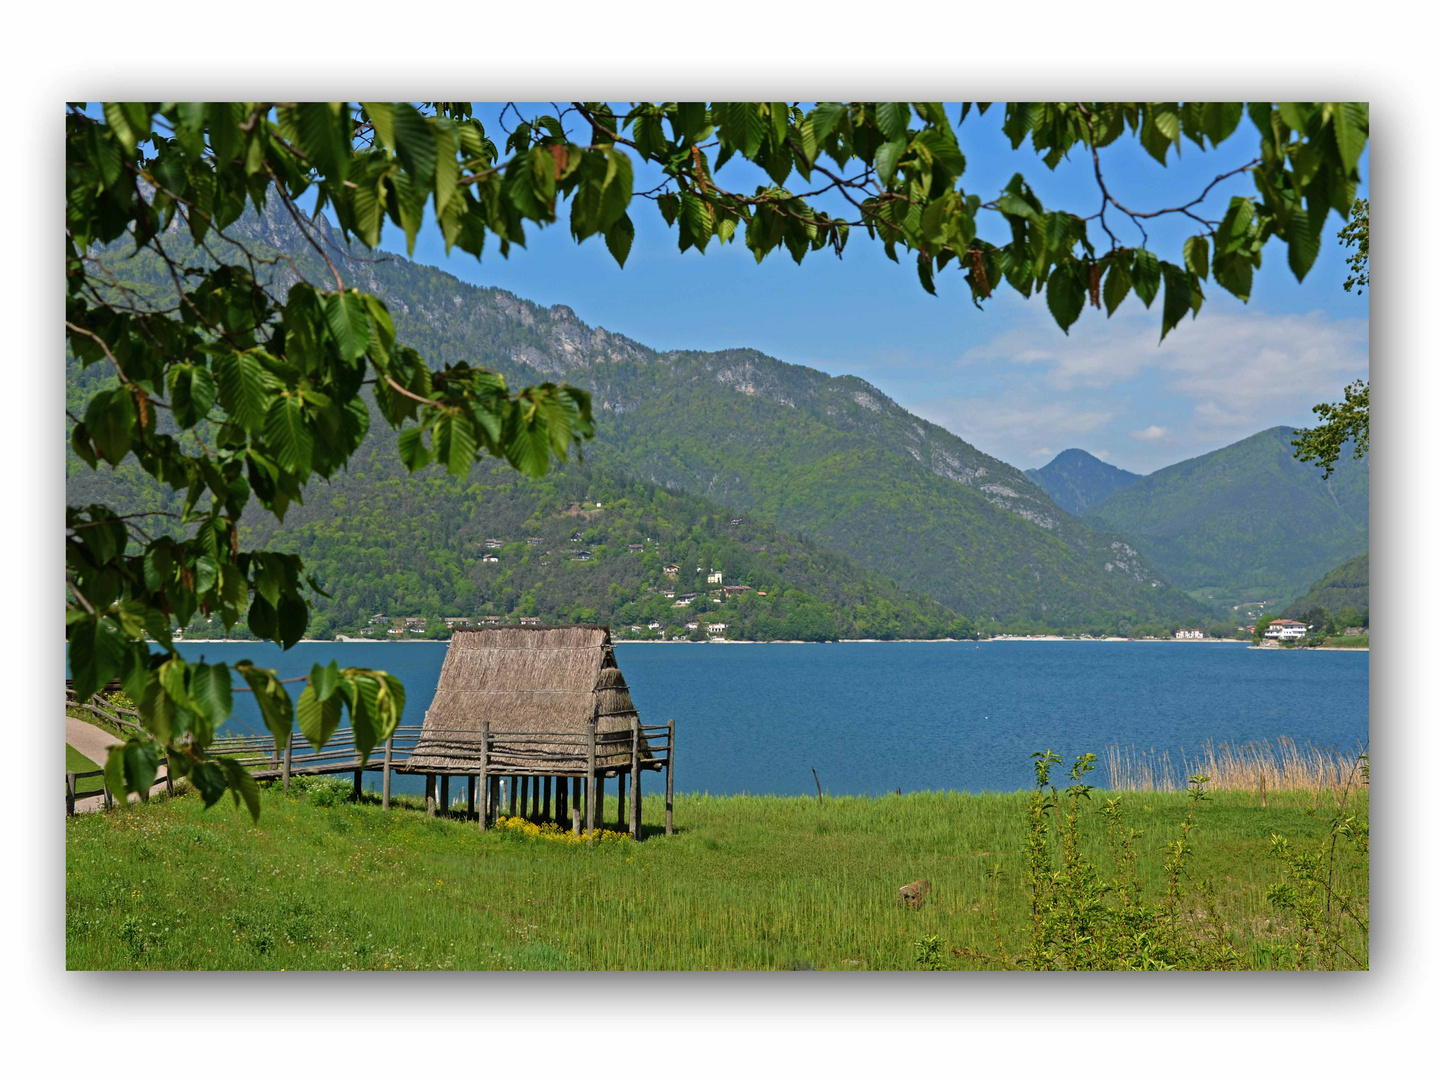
<point>831,459</point>
<point>1077,480</point>
<point>1348,585</point>
<point>1245,519</point>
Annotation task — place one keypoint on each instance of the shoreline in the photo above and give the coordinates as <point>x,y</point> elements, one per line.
<point>345,640</point>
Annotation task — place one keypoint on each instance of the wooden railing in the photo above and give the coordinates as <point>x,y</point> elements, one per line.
<point>591,756</point>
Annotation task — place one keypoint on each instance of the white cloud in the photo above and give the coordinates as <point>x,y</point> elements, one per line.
<point>1214,380</point>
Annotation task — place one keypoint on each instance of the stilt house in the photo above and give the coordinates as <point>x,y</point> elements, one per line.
<point>547,710</point>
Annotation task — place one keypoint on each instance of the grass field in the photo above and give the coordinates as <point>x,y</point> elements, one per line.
<point>78,762</point>
<point>747,883</point>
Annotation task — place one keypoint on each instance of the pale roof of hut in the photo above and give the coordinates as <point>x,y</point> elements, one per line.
<point>530,681</point>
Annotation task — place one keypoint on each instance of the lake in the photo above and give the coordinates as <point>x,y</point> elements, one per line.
<point>873,716</point>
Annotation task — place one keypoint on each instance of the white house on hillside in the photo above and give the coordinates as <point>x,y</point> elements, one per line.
<point>1286,630</point>
<point>1189,635</point>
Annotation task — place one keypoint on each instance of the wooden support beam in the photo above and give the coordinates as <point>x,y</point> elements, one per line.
<point>619,799</point>
<point>385,779</point>
<point>470,794</point>
<point>169,784</point>
<point>545,806</point>
<point>486,802</point>
<point>670,780</point>
<point>514,789</point>
<point>359,775</point>
<point>562,806</point>
<point>445,795</point>
<point>590,779</point>
<point>635,777</point>
<point>430,794</point>
<point>289,749</point>
<point>70,794</point>
<point>525,796</point>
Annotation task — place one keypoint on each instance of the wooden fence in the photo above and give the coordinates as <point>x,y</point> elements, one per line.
<point>572,767</point>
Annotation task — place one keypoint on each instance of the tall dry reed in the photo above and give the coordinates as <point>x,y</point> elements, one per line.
<point>1256,766</point>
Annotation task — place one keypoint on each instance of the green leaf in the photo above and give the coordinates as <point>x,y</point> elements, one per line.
<point>414,145</point>
<point>273,700</point>
<point>1304,239</point>
<point>325,679</point>
<point>210,690</point>
<point>317,719</point>
<point>619,237</point>
<point>1234,272</point>
<point>349,324</point>
<point>110,418</point>
<point>140,761</point>
<point>1145,276</point>
<point>412,450</point>
<point>454,443</point>
<point>244,386</point>
<point>1350,120</point>
<point>289,435</point>
<point>242,785</point>
<point>324,136</point>
<point>1117,286</point>
<point>887,160</point>
<point>291,617</point>
<point>893,120</point>
<point>1197,256</point>
<point>210,780</point>
<point>1064,296</point>
<point>96,652</point>
<point>1177,298</point>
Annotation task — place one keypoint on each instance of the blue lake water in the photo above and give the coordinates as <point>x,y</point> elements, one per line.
<point>871,717</point>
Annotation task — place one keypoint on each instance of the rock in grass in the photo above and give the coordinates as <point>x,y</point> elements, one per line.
<point>914,894</point>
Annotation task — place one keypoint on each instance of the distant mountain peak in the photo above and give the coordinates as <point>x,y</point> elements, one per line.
<point>1076,479</point>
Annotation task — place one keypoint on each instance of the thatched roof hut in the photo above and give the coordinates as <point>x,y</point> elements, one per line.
<point>545,686</point>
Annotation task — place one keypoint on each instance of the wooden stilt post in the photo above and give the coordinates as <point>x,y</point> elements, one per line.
<point>577,797</point>
<point>525,797</point>
<point>635,777</point>
<point>545,808</point>
<point>470,794</point>
<point>485,780</point>
<point>670,780</point>
<point>562,789</point>
<point>619,799</point>
<point>590,785</point>
<point>70,794</point>
<point>514,786</point>
<point>385,775</point>
<point>289,746</point>
<point>169,783</point>
<point>359,775</point>
<point>445,796</point>
<point>430,794</point>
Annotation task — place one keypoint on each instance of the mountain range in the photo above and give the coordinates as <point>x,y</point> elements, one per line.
<point>826,463</point>
<point>1245,521</point>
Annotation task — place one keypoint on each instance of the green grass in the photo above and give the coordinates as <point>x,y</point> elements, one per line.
<point>78,762</point>
<point>747,883</point>
<point>1361,641</point>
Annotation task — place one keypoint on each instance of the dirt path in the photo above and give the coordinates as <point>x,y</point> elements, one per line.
<point>95,743</point>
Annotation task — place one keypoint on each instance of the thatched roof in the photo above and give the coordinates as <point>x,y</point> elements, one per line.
<point>540,681</point>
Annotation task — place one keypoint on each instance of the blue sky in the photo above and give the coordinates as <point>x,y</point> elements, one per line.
<point>1006,378</point>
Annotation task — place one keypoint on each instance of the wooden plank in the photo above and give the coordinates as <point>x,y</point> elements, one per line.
<point>385,783</point>
<point>289,748</point>
<point>670,780</point>
<point>590,786</point>
<point>485,800</point>
<point>635,778</point>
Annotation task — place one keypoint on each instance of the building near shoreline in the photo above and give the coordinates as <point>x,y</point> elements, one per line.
<point>1286,630</point>
<point>1189,635</point>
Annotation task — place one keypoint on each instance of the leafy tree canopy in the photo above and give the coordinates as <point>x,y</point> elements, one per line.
<point>230,392</point>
